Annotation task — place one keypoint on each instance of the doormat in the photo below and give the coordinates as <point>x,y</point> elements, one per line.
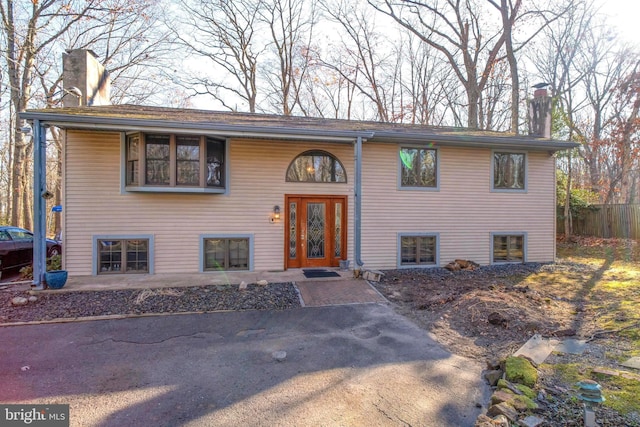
<point>312,274</point>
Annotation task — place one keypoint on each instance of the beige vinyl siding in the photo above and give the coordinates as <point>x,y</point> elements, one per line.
<point>94,204</point>
<point>464,211</point>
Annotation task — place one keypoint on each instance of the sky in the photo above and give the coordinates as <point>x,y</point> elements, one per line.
<point>625,16</point>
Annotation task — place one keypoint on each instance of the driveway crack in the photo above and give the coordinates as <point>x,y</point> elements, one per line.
<point>144,342</point>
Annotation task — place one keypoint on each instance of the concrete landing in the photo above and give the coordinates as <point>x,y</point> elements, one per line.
<point>337,292</point>
<point>537,348</point>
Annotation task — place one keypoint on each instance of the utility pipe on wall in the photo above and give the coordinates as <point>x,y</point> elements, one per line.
<point>357,190</point>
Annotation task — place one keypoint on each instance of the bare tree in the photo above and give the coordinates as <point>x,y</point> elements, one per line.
<point>290,24</point>
<point>25,36</point>
<point>34,36</point>
<point>591,73</point>
<point>226,33</point>
<point>624,137</point>
<point>457,30</point>
<point>363,57</point>
<point>426,84</point>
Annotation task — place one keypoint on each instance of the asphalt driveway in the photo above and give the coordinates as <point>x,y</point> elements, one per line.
<point>349,365</point>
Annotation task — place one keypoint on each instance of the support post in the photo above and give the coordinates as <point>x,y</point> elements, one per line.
<point>357,189</point>
<point>39,204</point>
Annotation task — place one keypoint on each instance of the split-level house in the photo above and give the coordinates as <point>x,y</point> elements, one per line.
<point>161,190</point>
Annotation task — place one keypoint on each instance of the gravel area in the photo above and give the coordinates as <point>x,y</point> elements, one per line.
<point>66,304</point>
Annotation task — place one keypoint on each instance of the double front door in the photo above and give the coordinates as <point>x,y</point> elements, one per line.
<point>315,231</point>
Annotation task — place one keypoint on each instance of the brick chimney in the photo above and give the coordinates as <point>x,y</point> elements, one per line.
<point>85,80</point>
<point>540,113</point>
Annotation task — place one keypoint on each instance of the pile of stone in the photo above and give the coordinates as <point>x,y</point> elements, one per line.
<point>514,400</point>
<point>20,301</point>
<point>461,264</point>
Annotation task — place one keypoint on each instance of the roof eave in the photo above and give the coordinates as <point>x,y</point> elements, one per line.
<point>226,130</point>
<point>511,142</point>
<point>73,121</point>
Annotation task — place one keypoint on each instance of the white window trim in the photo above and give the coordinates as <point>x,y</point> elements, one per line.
<point>399,169</point>
<point>510,233</point>
<point>124,189</point>
<point>202,238</point>
<point>95,252</point>
<point>420,234</point>
<point>526,172</point>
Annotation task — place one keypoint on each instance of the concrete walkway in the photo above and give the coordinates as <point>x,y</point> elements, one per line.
<point>315,292</point>
<point>142,281</point>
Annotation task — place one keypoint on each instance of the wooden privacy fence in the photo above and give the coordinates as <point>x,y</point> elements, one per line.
<point>622,221</point>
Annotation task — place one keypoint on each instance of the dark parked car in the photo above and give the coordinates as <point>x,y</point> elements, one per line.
<point>16,248</point>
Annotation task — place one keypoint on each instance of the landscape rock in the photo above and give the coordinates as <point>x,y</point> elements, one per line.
<point>520,402</point>
<point>498,319</point>
<point>493,364</point>
<point>209,298</point>
<point>493,377</point>
<point>242,286</point>
<point>500,396</point>
<point>453,266</point>
<point>485,421</point>
<point>32,298</point>
<point>280,356</point>
<point>532,421</point>
<point>520,389</point>
<point>262,282</point>
<point>501,421</point>
<point>503,409</point>
<point>18,301</point>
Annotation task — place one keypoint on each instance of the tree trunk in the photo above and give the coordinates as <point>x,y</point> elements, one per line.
<point>507,23</point>
<point>567,203</point>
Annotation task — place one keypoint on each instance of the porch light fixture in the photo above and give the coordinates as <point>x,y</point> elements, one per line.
<point>276,212</point>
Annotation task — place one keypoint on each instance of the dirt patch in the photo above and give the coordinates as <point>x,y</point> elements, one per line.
<point>458,307</point>
<point>487,313</point>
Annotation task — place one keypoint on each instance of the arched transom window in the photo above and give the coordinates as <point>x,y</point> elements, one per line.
<point>316,166</point>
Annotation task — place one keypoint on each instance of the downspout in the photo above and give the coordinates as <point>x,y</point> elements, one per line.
<point>357,190</point>
<point>39,204</point>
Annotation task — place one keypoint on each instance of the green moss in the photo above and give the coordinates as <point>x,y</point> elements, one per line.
<point>520,370</point>
<point>530,393</point>
<point>569,372</point>
<point>525,403</point>
<point>621,393</point>
<point>504,385</point>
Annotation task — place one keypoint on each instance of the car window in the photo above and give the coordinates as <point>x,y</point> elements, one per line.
<point>4,236</point>
<point>17,234</point>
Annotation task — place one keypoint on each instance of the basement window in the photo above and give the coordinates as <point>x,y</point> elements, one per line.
<point>508,248</point>
<point>224,253</point>
<point>417,250</point>
<point>174,163</point>
<point>123,256</point>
